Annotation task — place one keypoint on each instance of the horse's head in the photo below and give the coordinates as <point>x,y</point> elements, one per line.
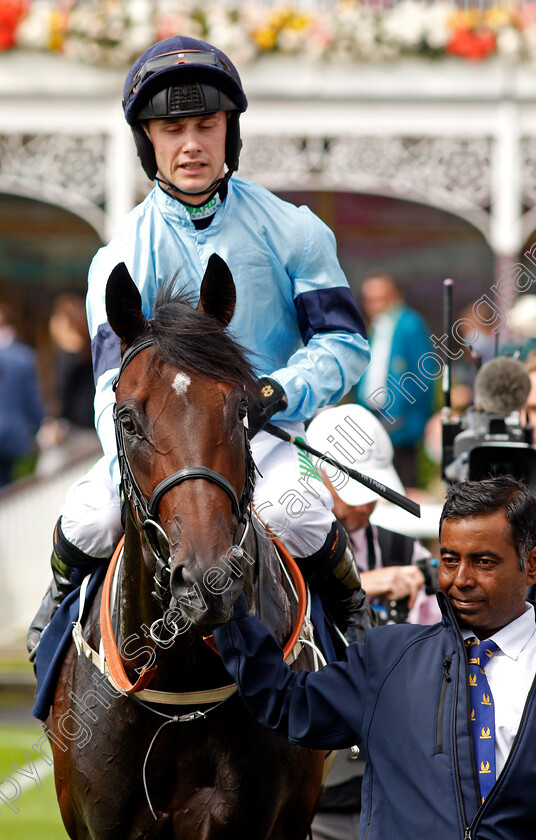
<point>181,401</point>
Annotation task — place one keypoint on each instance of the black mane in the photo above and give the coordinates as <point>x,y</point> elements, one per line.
<point>195,342</point>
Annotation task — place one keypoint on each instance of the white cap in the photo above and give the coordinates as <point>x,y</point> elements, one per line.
<point>355,438</point>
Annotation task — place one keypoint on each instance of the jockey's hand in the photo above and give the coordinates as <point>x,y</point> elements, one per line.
<point>269,400</point>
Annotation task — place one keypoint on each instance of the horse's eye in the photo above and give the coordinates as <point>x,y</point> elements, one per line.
<point>127,423</point>
<point>242,409</point>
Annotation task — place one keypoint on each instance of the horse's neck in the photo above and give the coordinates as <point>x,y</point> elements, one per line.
<point>137,605</point>
<point>272,596</point>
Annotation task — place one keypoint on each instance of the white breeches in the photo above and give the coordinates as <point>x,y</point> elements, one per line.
<point>289,497</point>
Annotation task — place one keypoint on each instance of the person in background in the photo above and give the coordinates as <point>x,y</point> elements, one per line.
<point>528,415</point>
<point>387,562</point>
<point>69,428</point>
<point>461,398</point>
<point>399,338</point>
<point>74,387</point>
<point>520,328</point>
<point>480,346</point>
<point>21,406</point>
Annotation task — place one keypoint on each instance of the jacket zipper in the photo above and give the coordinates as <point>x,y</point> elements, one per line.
<point>467,829</point>
<point>447,662</point>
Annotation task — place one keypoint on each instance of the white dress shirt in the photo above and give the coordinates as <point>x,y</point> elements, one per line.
<point>510,674</point>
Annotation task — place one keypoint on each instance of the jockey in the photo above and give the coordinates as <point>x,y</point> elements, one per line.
<point>295,315</point>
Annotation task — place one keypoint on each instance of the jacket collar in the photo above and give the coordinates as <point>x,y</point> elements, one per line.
<point>176,212</point>
<point>447,613</point>
<point>448,617</point>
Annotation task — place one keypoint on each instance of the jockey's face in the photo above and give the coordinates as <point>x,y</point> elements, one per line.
<point>190,152</point>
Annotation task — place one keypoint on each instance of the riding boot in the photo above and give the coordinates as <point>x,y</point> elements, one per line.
<point>69,567</point>
<point>333,572</point>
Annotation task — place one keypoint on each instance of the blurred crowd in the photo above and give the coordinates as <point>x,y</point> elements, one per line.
<point>403,389</point>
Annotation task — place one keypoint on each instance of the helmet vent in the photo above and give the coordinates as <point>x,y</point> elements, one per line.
<point>185,98</point>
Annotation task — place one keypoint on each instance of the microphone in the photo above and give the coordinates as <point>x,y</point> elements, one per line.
<point>502,386</point>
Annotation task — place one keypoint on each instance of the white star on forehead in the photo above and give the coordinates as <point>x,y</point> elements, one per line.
<point>181,383</point>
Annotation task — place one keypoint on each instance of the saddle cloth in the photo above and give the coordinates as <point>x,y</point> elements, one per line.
<point>55,640</point>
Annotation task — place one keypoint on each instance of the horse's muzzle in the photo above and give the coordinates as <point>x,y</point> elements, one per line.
<point>205,599</point>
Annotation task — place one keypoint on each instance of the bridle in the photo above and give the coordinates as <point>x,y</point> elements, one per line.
<point>145,511</point>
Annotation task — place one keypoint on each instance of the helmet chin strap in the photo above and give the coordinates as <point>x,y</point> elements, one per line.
<point>209,191</point>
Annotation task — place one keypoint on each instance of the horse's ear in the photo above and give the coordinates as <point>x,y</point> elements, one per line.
<point>218,293</point>
<point>123,305</point>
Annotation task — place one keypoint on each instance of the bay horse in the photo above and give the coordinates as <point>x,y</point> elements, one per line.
<point>204,770</point>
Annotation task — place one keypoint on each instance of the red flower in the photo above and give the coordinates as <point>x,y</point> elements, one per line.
<point>11,14</point>
<point>472,44</point>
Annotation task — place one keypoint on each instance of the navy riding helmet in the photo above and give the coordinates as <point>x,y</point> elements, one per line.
<point>182,77</point>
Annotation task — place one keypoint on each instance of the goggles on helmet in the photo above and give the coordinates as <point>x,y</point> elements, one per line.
<point>160,62</point>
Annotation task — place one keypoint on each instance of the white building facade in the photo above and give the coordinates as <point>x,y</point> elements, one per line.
<point>448,134</point>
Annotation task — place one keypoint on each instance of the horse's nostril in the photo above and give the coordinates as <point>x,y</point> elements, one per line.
<point>177,578</point>
<point>181,577</point>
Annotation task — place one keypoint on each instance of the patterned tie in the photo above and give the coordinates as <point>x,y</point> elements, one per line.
<point>482,711</point>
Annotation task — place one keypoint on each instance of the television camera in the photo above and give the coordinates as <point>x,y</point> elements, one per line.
<point>490,438</point>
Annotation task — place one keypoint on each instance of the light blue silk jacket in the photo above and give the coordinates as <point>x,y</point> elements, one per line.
<point>295,313</point>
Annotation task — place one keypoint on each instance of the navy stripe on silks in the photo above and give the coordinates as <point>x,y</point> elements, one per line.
<point>328,310</point>
<point>105,351</point>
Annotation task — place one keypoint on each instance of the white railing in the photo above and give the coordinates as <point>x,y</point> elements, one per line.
<point>28,512</point>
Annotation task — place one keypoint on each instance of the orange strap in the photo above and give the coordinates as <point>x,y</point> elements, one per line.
<point>111,651</point>
<point>299,583</point>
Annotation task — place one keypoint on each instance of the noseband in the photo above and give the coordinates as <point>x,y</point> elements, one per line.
<point>146,511</point>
